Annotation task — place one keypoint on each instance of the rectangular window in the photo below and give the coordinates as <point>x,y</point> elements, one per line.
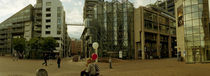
<point>58,32</point>
<point>48,15</point>
<point>48,9</point>
<point>57,45</point>
<point>48,20</point>
<point>39,14</point>
<point>47,32</point>
<point>59,21</point>
<point>48,3</point>
<point>48,26</point>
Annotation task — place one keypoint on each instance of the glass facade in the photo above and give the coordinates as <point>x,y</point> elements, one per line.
<point>196,23</point>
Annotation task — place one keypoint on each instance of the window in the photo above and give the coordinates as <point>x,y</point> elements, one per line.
<point>48,3</point>
<point>59,21</point>
<point>48,15</point>
<point>58,32</point>
<point>47,32</point>
<point>39,20</point>
<point>48,20</point>
<point>57,38</point>
<point>48,26</point>
<point>39,14</point>
<point>48,9</point>
<point>57,45</point>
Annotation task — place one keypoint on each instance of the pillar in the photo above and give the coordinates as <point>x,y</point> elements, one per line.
<point>169,47</point>
<point>143,45</point>
<point>158,45</point>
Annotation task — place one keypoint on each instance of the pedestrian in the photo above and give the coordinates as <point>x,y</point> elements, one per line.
<point>90,69</point>
<point>110,63</point>
<point>15,56</point>
<point>45,60</point>
<point>59,61</point>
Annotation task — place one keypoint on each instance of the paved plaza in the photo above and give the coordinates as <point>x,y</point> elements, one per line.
<point>162,67</point>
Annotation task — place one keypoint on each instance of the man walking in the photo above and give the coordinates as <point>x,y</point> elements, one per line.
<point>45,60</point>
<point>59,61</point>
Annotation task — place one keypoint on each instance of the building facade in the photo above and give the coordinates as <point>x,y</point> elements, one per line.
<point>192,18</point>
<point>75,47</point>
<point>18,25</point>
<point>168,5</point>
<point>154,33</point>
<point>45,19</point>
<point>112,25</point>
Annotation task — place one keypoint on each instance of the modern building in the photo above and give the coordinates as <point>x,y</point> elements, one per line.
<point>168,5</point>
<point>75,47</point>
<point>112,27</point>
<point>18,25</point>
<point>45,19</point>
<point>88,36</point>
<point>154,33</point>
<point>192,23</point>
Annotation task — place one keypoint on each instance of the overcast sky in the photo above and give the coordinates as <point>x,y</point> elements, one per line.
<point>73,8</point>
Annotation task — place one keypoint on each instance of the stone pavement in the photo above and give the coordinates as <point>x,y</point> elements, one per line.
<point>162,67</point>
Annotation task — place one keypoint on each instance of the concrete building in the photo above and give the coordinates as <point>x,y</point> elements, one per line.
<point>192,23</point>
<point>154,33</point>
<point>45,19</point>
<point>88,36</point>
<point>112,27</point>
<point>18,25</point>
<point>75,47</point>
<point>168,5</point>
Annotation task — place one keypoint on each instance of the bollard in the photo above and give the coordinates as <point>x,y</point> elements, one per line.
<point>41,72</point>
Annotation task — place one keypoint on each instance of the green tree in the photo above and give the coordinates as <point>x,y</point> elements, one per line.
<point>48,44</point>
<point>34,44</point>
<point>19,45</point>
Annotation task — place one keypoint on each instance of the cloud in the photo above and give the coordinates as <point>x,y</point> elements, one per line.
<point>75,31</point>
<point>74,11</point>
<point>10,7</point>
<point>66,1</point>
<point>138,3</point>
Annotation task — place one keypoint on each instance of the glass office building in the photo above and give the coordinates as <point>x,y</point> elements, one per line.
<point>195,18</point>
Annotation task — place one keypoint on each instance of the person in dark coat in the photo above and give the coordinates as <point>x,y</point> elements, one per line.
<point>59,62</point>
<point>45,60</point>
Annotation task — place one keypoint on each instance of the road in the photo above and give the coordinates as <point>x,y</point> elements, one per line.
<point>162,67</point>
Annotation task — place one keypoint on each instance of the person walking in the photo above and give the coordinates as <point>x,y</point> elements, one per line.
<point>59,61</point>
<point>45,60</point>
<point>15,56</point>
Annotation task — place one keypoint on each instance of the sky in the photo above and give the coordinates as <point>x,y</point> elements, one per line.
<point>73,8</point>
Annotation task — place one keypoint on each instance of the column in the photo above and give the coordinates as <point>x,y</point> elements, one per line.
<point>143,45</point>
<point>169,47</point>
<point>158,44</point>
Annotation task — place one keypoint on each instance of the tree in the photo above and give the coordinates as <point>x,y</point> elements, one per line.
<point>48,44</point>
<point>19,45</point>
<point>34,45</point>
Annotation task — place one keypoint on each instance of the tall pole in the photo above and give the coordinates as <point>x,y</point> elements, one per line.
<point>96,51</point>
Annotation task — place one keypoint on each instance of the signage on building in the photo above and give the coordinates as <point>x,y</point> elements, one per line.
<point>180,16</point>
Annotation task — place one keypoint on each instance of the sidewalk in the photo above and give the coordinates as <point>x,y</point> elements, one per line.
<point>162,67</point>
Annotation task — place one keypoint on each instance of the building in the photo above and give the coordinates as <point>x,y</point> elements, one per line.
<point>75,47</point>
<point>88,34</point>
<point>45,19</point>
<point>168,5</point>
<point>192,23</point>
<point>112,27</point>
<point>154,33</point>
<point>18,25</point>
